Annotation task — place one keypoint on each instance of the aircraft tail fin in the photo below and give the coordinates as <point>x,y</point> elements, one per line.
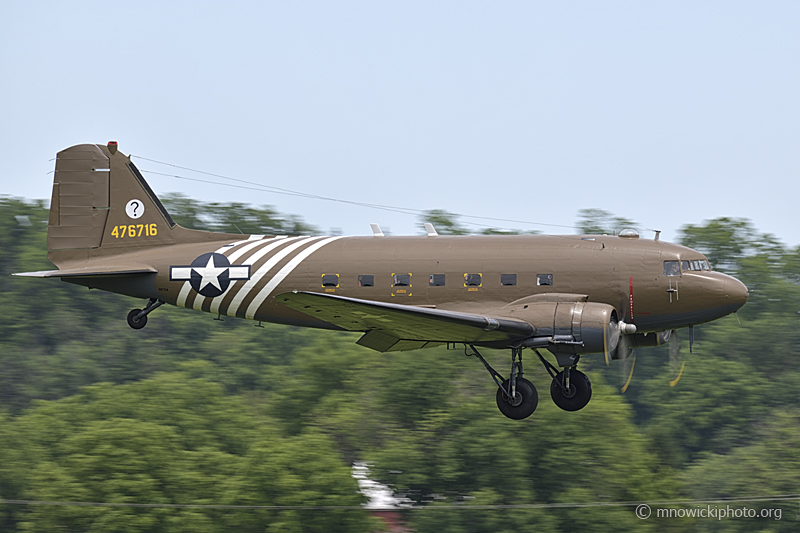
<point>102,205</point>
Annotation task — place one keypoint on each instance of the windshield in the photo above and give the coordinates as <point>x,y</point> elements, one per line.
<point>674,268</point>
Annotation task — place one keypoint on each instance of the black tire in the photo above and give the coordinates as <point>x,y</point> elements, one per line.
<point>526,400</point>
<point>579,394</point>
<point>136,324</point>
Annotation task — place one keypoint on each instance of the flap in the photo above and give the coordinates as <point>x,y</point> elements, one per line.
<point>390,326</point>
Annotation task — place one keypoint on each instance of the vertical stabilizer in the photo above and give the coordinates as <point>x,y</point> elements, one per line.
<point>102,205</point>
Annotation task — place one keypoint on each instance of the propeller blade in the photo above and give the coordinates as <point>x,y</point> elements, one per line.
<point>680,373</point>
<point>630,375</point>
<point>676,362</point>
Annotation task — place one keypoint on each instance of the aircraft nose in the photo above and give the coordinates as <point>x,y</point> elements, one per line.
<point>736,292</point>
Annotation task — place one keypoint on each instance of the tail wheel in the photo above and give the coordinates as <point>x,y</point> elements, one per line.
<point>524,402</point>
<point>136,323</point>
<point>573,396</point>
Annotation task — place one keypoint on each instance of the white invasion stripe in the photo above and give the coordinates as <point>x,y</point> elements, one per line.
<point>244,249</point>
<point>199,300</point>
<point>183,294</point>
<point>265,250</point>
<point>261,272</point>
<point>274,243</point>
<point>281,275</point>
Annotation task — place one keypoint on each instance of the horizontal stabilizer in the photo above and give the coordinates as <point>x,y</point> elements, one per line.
<point>88,272</point>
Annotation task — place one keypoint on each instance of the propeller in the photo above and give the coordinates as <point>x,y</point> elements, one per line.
<point>626,354</point>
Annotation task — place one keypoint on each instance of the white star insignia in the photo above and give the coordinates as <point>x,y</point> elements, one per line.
<point>210,274</point>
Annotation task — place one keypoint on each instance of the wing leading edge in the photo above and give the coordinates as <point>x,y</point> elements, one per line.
<point>395,327</point>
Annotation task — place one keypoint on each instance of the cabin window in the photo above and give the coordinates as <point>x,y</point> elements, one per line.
<point>544,279</point>
<point>508,279</point>
<point>473,280</point>
<point>366,280</point>
<point>330,280</point>
<point>436,280</point>
<point>672,268</point>
<point>401,280</point>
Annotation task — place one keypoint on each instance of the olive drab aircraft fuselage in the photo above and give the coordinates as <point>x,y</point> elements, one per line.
<point>570,295</point>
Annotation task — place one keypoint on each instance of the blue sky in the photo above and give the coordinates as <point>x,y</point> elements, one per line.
<point>665,113</point>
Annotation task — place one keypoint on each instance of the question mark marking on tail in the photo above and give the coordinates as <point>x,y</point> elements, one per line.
<point>134,209</point>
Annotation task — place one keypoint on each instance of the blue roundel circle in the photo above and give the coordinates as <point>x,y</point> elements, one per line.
<point>210,274</point>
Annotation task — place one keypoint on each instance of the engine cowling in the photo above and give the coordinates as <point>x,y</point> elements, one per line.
<point>572,327</point>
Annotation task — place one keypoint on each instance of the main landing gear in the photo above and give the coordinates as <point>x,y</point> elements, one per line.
<point>517,398</point>
<point>137,318</point>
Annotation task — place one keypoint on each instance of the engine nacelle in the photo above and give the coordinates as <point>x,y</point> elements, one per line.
<point>646,340</point>
<point>570,327</point>
<point>638,340</point>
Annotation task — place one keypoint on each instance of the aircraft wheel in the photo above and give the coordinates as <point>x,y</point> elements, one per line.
<point>578,395</point>
<point>524,402</point>
<point>133,322</point>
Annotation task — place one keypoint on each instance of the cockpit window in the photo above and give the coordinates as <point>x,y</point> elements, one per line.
<point>695,265</point>
<point>672,268</point>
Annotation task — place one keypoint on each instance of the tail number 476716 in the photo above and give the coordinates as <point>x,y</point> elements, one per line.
<point>135,230</point>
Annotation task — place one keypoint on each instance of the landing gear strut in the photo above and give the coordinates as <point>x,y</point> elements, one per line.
<point>570,389</point>
<point>137,318</point>
<point>516,396</point>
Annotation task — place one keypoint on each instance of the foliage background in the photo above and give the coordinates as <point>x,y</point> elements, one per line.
<point>195,411</point>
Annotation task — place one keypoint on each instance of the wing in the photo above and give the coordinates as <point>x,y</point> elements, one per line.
<point>88,272</point>
<point>396,327</point>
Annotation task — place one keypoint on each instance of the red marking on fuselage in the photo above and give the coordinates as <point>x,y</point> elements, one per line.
<point>630,281</point>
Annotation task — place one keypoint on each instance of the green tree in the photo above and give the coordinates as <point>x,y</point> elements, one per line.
<point>444,222</point>
<point>233,217</point>
<point>448,224</point>
<point>769,465</point>
<point>601,222</point>
<point>728,241</point>
<point>172,439</point>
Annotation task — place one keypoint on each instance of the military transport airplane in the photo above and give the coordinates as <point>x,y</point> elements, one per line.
<point>570,295</point>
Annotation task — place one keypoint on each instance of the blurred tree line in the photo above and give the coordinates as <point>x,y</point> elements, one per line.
<point>193,411</point>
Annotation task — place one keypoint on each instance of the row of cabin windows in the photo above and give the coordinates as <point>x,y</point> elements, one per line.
<point>435,280</point>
